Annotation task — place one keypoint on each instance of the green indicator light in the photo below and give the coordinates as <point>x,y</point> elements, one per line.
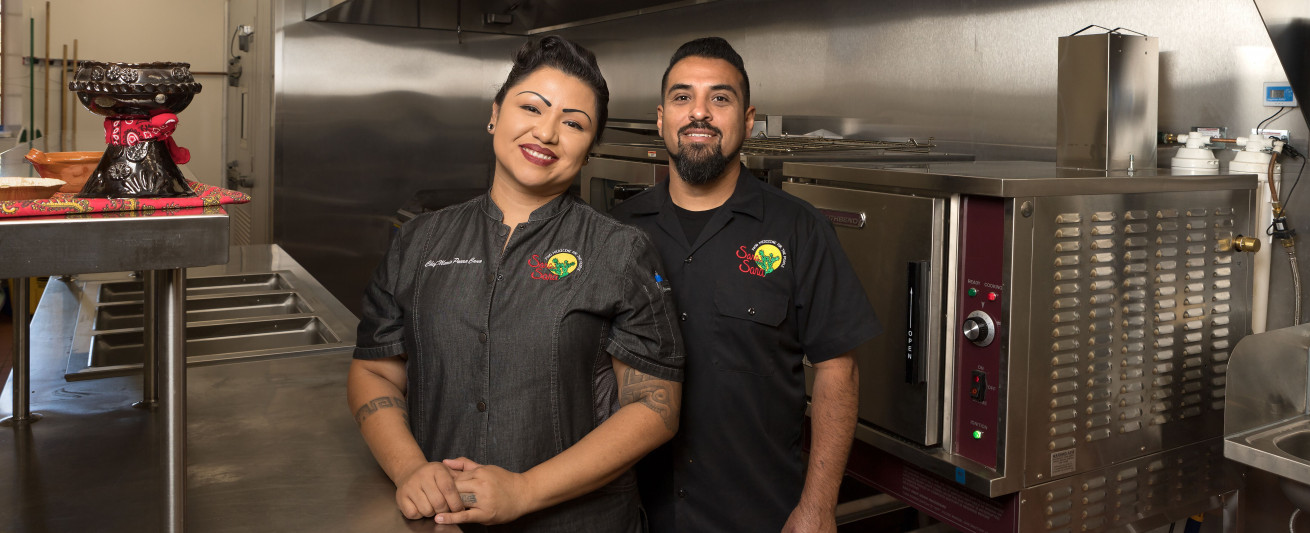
<point>973,292</point>
<point>977,434</point>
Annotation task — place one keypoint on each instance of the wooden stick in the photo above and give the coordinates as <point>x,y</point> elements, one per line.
<point>63,96</point>
<point>45,70</point>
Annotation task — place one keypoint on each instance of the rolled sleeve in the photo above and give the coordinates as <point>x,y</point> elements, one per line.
<point>381,331</point>
<point>835,315</point>
<point>644,334</point>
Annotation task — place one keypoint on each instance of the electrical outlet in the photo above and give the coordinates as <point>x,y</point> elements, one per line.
<point>1279,94</point>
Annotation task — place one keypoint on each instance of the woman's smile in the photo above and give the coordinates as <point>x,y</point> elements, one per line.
<point>538,155</point>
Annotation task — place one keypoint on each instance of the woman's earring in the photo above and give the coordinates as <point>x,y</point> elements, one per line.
<point>490,126</point>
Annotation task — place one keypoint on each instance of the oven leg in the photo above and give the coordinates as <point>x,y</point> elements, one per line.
<point>22,385</point>
<point>171,317</point>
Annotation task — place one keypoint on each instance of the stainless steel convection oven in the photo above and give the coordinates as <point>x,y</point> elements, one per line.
<point>1057,339</point>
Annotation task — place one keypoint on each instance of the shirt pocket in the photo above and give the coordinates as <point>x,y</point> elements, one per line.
<point>748,324</point>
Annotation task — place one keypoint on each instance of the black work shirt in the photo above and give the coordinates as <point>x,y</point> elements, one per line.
<point>509,353</point>
<point>765,284</point>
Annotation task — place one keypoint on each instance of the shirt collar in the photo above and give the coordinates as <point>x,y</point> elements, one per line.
<point>747,197</point>
<point>554,207</point>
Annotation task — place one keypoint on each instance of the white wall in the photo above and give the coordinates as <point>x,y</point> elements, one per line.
<point>190,31</point>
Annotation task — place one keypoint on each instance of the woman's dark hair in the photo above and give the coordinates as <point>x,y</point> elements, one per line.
<point>712,48</point>
<point>567,57</point>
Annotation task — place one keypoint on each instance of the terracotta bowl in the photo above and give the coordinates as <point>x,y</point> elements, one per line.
<point>28,188</point>
<point>71,167</point>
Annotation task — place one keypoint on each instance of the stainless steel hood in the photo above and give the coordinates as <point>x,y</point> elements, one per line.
<point>1288,22</point>
<point>521,17</point>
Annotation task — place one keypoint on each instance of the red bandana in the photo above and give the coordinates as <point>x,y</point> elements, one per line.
<point>128,132</point>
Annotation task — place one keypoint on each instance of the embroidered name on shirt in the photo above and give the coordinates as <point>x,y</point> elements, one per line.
<point>456,261</point>
<point>761,260</point>
<point>559,264</point>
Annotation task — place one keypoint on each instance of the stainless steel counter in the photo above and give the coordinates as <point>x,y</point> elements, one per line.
<point>1008,179</point>
<point>271,445</point>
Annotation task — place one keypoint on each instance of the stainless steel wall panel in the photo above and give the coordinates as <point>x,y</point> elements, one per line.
<point>980,77</point>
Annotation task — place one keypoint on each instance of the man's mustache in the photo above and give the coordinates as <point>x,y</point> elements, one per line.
<point>700,125</point>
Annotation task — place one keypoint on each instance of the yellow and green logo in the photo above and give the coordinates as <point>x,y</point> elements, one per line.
<point>761,260</point>
<point>558,265</point>
<point>562,264</point>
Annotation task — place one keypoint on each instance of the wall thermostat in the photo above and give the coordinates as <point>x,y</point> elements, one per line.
<point>1279,94</point>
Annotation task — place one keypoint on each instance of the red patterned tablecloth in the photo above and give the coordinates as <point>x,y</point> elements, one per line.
<point>207,197</point>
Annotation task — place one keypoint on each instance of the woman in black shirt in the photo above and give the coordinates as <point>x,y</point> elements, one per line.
<point>517,353</point>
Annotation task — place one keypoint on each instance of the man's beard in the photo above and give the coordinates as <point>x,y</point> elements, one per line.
<point>698,163</point>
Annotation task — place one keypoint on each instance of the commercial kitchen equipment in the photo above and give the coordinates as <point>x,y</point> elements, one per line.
<point>620,169</point>
<point>1057,338</point>
<point>1267,420</point>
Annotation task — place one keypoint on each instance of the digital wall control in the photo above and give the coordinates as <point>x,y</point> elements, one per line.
<point>1279,94</point>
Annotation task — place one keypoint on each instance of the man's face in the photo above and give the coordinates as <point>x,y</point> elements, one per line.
<point>703,118</point>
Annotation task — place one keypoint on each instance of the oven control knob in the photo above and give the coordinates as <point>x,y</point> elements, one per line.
<point>979,328</point>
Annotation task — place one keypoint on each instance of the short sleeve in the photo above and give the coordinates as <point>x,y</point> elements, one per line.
<point>834,313</point>
<point>644,334</point>
<point>381,330</point>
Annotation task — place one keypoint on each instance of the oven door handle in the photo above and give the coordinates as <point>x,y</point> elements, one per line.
<point>916,320</point>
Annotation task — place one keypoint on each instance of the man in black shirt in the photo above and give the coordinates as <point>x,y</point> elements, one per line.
<point>762,283</point>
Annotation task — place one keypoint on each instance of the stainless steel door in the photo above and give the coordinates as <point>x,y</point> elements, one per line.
<point>896,244</point>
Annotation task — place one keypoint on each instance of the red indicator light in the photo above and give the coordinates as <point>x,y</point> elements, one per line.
<point>991,296</point>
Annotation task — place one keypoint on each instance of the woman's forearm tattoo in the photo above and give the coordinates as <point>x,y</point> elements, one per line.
<point>382,402</point>
<point>652,392</point>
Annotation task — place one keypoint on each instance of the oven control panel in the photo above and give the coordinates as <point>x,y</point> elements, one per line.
<point>979,330</point>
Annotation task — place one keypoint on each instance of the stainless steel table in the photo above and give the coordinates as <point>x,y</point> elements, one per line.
<point>161,244</point>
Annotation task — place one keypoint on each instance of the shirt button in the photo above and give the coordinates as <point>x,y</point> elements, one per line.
<point>684,317</point>
<point>682,493</point>
<point>482,338</point>
<point>482,407</point>
<point>500,277</point>
<point>687,260</point>
<point>751,311</point>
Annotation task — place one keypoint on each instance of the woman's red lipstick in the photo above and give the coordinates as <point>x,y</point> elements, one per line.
<point>538,155</point>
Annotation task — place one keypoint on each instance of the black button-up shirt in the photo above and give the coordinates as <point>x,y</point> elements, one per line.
<point>765,284</point>
<point>509,352</point>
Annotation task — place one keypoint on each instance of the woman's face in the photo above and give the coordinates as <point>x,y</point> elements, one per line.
<point>543,131</point>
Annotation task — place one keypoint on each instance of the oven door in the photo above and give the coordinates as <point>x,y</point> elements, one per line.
<point>896,244</point>
<point>606,182</point>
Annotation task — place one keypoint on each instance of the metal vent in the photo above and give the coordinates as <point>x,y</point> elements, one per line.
<point>1141,323</point>
<point>1119,495</point>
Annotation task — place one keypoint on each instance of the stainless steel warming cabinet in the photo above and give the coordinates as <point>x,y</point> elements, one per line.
<point>1056,341</point>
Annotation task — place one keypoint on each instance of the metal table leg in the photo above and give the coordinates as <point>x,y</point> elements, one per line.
<point>22,357</point>
<point>171,322</point>
<point>153,295</point>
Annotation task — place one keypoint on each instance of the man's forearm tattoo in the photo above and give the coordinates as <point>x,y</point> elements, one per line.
<point>651,392</point>
<point>382,402</point>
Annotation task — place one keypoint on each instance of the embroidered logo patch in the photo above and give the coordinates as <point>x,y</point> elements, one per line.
<point>558,264</point>
<point>762,259</point>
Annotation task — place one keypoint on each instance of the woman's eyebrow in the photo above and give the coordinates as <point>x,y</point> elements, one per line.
<point>567,110</point>
<point>543,98</point>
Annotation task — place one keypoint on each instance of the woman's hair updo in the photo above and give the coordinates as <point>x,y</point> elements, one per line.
<point>567,57</point>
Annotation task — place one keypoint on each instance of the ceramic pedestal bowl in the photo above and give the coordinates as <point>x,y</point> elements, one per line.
<point>139,161</point>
